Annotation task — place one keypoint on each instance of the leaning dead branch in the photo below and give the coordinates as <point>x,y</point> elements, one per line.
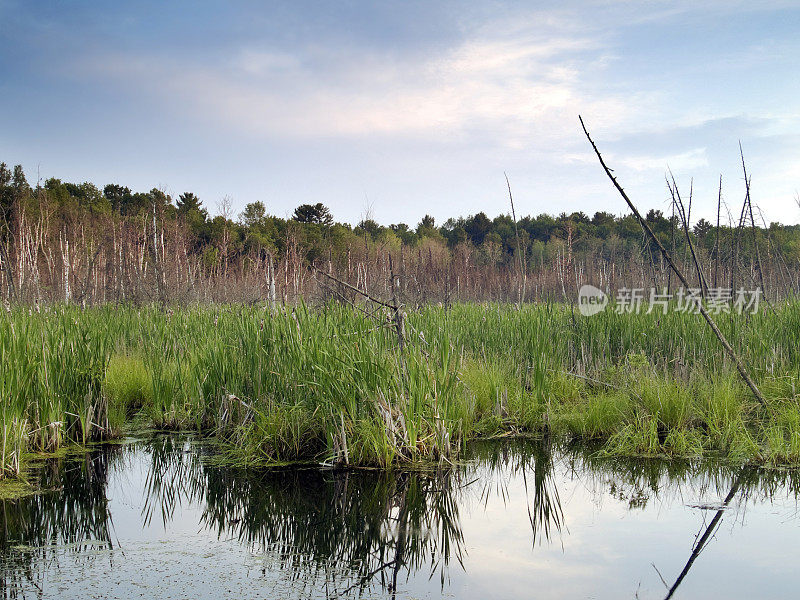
<point>678,273</point>
<point>716,237</point>
<point>753,227</point>
<point>678,201</point>
<point>398,318</point>
<point>522,272</point>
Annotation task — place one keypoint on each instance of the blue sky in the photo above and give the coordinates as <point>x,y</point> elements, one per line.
<point>398,109</point>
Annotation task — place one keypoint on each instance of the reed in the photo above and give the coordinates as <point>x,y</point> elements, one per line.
<point>331,384</point>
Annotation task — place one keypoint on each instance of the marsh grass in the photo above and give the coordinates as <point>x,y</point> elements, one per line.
<point>128,386</point>
<point>332,385</point>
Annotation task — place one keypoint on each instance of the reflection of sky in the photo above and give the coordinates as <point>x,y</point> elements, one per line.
<point>608,550</point>
<point>180,560</point>
<point>605,550</point>
<point>406,107</point>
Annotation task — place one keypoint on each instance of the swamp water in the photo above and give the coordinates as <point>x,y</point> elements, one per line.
<point>161,519</point>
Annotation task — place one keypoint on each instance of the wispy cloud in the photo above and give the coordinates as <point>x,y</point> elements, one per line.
<point>685,161</point>
<point>422,101</point>
<point>508,89</point>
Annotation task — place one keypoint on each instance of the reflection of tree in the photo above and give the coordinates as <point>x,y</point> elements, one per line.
<point>73,516</point>
<point>319,526</point>
<point>347,532</point>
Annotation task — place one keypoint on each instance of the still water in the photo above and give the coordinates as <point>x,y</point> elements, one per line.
<point>161,519</point>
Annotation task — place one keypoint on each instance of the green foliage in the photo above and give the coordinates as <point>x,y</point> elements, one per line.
<point>313,213</point>
<point>253,214</point>
<point>127,387</point>
<point>332,385</point>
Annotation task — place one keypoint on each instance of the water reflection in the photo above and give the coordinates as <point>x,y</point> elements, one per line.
<point>639,481</point>
<point>71,515</point>
<point>340,530</point>
<point>702,540</point>
<point>534,463</point>
<point>344,533</point>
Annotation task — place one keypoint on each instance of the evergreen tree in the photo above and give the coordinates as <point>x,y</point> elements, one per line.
<point>313,213</point>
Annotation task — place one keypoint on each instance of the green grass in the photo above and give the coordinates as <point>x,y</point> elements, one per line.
<point>330,384</point>
<point>129,387</point>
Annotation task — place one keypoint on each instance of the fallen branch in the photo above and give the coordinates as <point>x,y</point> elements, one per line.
<point>353,288</point>
<point>396,308</point>
<point>728,349</point>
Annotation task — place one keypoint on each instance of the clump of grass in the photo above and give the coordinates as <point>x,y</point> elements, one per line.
<point>277,433</point>
<point>594,416</point>
<point>636,438</point>
<point>14,489</point>
<point>13,442</point>
<point>127,387</point>
<point>494,398</point>
<point>782,433</point>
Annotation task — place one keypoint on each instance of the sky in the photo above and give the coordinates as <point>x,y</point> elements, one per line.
<point>393,110</point>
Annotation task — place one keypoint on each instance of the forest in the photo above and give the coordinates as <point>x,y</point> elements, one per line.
<point>75,243</point>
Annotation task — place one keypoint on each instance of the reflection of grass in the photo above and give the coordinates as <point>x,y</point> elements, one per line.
<point>71,513</point>
<point>638,480</point>
<point>533,462</point>
<point>352,530</point>
<point>332,385</point>
<point>316,525</point>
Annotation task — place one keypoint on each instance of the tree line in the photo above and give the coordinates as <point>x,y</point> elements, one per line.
<point>74,242</point>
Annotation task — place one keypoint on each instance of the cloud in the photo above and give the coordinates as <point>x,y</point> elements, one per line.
<point>685,161</point>
<point>426,116</point>
<point>510,90</point>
